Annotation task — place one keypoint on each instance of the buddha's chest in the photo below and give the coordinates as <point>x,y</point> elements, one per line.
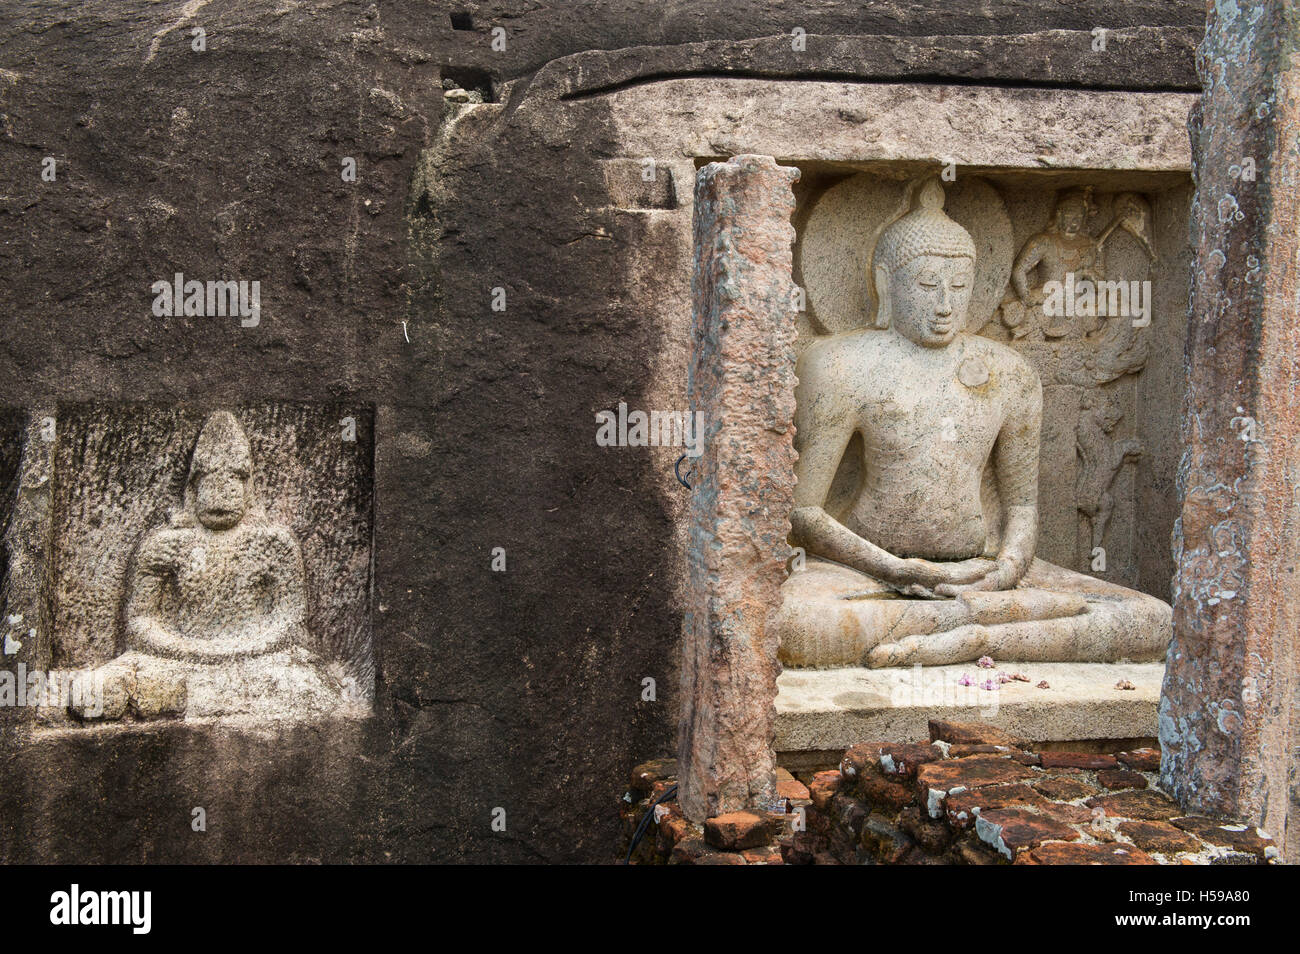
<point>921,423</point>
<point>215,573</point>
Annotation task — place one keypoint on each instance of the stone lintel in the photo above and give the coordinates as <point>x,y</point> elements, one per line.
<point>1139,57</point>
<point>929,125</point>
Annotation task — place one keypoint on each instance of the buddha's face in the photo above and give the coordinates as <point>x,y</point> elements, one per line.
<point>929,298</point>
<point>1070,216</point>
<point>221,496</point>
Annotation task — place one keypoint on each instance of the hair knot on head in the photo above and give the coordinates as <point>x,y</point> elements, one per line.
<point>930,195</point>
<point>924,230</point>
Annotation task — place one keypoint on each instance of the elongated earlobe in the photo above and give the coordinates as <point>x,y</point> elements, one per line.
<point>882,297</point>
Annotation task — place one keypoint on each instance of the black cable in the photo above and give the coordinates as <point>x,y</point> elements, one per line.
<point>644,825</point>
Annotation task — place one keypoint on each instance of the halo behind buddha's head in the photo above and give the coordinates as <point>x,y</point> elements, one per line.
<point>923,230</point>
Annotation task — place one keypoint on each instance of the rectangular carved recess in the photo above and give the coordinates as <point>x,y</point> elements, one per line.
<point>1112,394</point>
<point>121,476</point>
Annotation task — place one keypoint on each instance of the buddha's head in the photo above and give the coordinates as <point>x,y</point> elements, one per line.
<point>924,267</point>
<point>1072,212</point>
<point>220,471</point>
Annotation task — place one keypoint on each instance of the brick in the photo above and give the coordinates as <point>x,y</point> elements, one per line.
<point>883,792</point>
<point>720,858</point>
<point>860,759</point>
<point>767,855</point>
<point>1157,836</point>
<point>972,733</point>
<point>689,850</point>
<point>1076,814</point>
<point>1065,789</point>
<point>736,830</point>
<point>1147,805</point>
<point>1194,823</point>
<point>802,847</point>
<point>1141,760</point>
<point>972,772</point>
<point>961,749</point>
<point>792,789</point>
<point>1121,778</point>
<point>644,776</point>
<point>824,785</point>
<point>978,853</point>
<point>1010,830</point>
<point>929,834</point>
<point>962,808</point>
<point>886,843</point>
<point>1066,853</point>
<point>848,813</point>
<point>1079,760</point>
<point>1244,838</point>
<point>904,760</point>
<point>674,827</point>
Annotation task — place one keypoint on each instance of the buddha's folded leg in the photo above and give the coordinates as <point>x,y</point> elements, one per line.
<point>831,616</point>
<point>1115,624</point>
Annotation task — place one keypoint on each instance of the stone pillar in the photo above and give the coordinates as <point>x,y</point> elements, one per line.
<point>742,381</point>
<point>1228,709</point>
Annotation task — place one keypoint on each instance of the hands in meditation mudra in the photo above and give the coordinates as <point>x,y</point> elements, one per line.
<point>930,559</point>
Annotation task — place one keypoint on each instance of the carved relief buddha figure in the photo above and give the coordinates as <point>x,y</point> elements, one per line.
<point>216,603</point>
<point>916,500</point>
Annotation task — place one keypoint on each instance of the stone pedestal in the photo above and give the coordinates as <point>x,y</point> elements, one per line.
<point>742,380</point>
<point>821,712</point>
<point>1227,716</point>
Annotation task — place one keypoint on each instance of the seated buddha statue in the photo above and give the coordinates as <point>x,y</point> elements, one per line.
<point>925,554</point>
<point>216,603</point>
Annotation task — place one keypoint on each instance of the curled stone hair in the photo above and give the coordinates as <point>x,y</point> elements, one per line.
<point>924,230</point>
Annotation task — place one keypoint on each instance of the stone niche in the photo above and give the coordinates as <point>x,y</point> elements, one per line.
<point>165,612</point>
<point>1112,392</point>
<point>1112,404</point>
<point>1112,395</point>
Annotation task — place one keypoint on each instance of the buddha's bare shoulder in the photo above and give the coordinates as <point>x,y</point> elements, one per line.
<point>863,345</point>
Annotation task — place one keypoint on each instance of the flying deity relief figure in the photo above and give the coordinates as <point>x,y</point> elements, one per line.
<point>1133,215</point>
<point>216,606</point>
<point>1100,460</point>
<point>1059,291</point>
<point>930,557</point>
<point>1062,250</point>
